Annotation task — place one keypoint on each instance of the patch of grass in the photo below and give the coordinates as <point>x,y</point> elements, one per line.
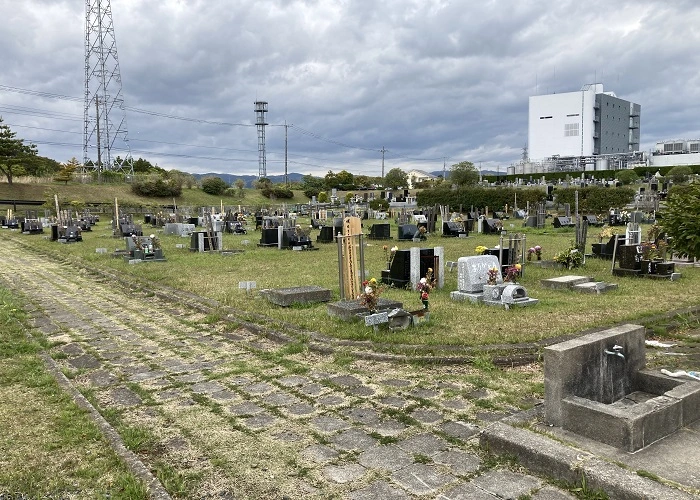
<point>50,446</point>
<point>138,439</point>
<point>418,458</point>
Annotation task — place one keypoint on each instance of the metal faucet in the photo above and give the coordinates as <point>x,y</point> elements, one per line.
<point>616,351</point>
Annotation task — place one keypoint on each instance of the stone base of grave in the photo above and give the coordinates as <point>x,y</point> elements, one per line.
<point>348,310</point>
<point>636,272</point>
<point>527,301</point>
<point>562,282</point>
<point>286,297</point>
<point>594,287</point>
<point>473,297</point>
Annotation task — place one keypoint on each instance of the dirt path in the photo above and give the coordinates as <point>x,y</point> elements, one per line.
<point>218,412</point>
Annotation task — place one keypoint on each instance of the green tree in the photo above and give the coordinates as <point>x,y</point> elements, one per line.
<point>627,177</point>
<point>12,151</point>
<point>322,197</point>
<point>679,219</point>
<point>240,187</point>
<point>679,173</point>
<point>214,185</point>
<point>396,178</point>
<point>66,173</point>
<point>311,185</point>
<point>464,174</point>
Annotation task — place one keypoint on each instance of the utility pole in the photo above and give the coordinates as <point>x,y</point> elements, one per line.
<point>99,150</point>
<point>286,177</point>
<point>383,151</point>
<point>444,168</point>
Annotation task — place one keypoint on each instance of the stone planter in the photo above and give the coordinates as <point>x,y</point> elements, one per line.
<point>493,293</point>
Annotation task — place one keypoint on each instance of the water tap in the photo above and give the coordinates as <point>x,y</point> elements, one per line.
<point>616,351</point>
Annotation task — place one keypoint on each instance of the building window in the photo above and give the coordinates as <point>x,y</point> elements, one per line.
<point>570,129</point>
<point>575,114</point>
<point>545,117</point>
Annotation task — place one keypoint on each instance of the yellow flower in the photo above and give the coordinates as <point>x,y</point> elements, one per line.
<point>518,267</point>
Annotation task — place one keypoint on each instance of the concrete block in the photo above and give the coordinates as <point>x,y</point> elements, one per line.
<point>285,297</point>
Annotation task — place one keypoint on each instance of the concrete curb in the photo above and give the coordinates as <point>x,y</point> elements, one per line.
<point>551,458</point>
<point>155,489</point>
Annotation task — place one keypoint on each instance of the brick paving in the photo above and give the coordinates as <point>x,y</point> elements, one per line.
<point>237,417</point>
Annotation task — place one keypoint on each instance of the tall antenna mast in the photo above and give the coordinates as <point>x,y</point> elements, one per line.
<point>105,129</point>
<point>260,110</point>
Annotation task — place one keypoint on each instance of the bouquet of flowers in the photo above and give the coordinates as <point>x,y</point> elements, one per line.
<point>512,273</point>
<point>492,276</point>
<point>425,286</point>
<point>370,296</point>
<point>571,258</point>
<point>536,250</point>
<point>481,249</point>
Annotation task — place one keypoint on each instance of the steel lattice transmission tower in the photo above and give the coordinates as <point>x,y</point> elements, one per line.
<point>260,110</point>
<point>105,140</point>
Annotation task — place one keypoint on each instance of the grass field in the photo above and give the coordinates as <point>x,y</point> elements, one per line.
<point>452,323</point>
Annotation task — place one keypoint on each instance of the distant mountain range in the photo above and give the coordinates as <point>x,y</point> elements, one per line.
<point>296,177</point>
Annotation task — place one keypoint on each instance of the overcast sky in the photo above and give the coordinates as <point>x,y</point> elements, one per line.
<point>432,82</point>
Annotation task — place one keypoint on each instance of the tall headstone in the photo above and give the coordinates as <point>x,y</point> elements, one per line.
<point>351,258</point>
<point>472,272</point>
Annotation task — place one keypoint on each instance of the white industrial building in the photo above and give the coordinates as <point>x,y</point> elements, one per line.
<point>676,152</point>
<point>582,124</point>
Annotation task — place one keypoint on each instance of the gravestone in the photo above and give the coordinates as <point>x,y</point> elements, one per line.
<point>286,297</point>
<point>472,274</point>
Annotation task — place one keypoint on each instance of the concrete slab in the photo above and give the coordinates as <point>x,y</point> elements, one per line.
<point>286,297</point>
<point>424,444</point>
<point>474,298</point>
<point>562,282</point>
<point>596,287</point>
<point>353,439</point>
<point>507,484</point>
<point>344,473</point>
<point>421,479</point>
<point>389,457</point>
<point>379,489</point>
<point>348,310</point>
<point>459,462</point>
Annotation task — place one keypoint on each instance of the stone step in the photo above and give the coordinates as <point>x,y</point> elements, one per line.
<point>561,282</point>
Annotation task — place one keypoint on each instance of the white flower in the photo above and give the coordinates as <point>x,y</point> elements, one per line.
<point>423,280</point>
<point>153,236</point>
<point>368,289</point>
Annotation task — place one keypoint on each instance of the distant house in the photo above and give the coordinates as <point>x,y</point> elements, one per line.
<point>418,176</point>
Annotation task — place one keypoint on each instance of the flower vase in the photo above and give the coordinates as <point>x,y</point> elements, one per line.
<point>645,266</point>
<point>493,293</point>
<point>425,304</point>
<point>539,257</point>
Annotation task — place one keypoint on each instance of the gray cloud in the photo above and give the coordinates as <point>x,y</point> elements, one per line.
<point>425,79</point>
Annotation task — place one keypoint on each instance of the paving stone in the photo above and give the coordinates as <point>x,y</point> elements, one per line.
<point>424,393</point>
<point>331,400</point>
<point>460,430</point>
<point>313,389</point>
<point>207,388</point>
<point>379,490</point>
<point>393,401</point>
<point>246,408</point>
<point>85,361</point>
<point>367,416</point>
<point>325,423</point>
<point>466,491</point>
<point>362,390</point>
<point>489,416</point>
<point>389,457</point>
<point>224,395</point>
<point>459,462</point>
<point>167,395</point>
<point>191,378</point>
<point>423,444</point>
<point>259,388</point>
<point>288,436</point>
<point>346,381</point>
<point>147,375</point>
<point>343,473</point>
<point>426,416</point>
<point>396,382</point>
<point>292,381</point>
<point>421,479</point>
<point>124,397</point>
<point>506,484</point>
<point>319,453</point>
<point>72,349</point>
<point>259,421</point>
<point>101,378</point>
<point>238,380</point>
<point>301,409</point>
<point>280,399</point>
<point>353,439</point>
<point>389,427</point>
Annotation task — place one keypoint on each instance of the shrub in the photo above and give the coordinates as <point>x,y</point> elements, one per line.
<point>156,186</point>
<point>214,185</point>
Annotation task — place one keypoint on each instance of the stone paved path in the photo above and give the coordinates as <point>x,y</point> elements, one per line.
<point>215,411</point>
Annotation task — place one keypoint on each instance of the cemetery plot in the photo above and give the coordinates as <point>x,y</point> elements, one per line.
<point>144,248</point>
